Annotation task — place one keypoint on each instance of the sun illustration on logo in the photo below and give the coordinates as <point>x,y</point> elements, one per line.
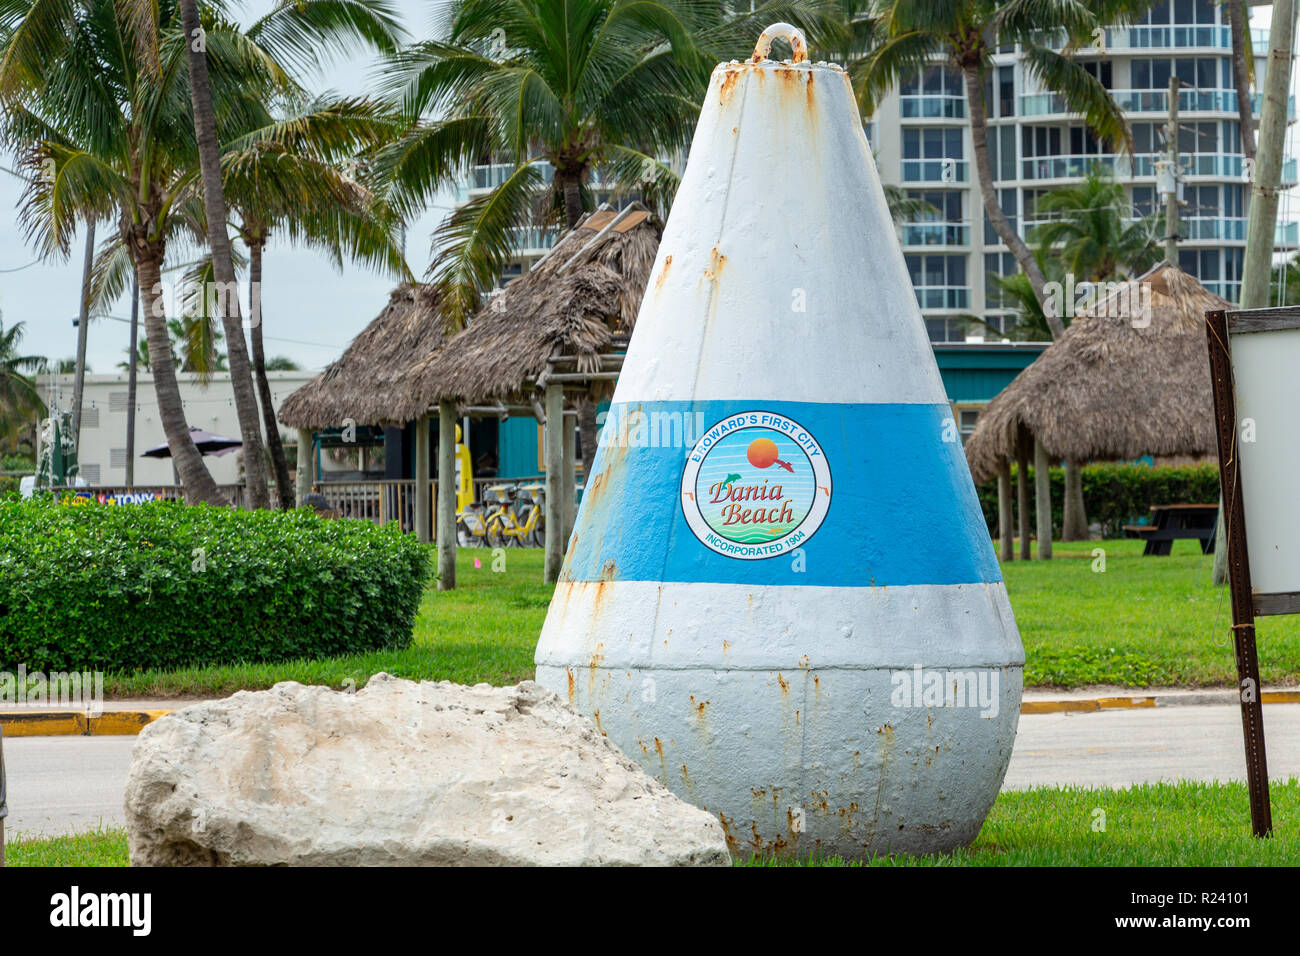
<point>756,485</point>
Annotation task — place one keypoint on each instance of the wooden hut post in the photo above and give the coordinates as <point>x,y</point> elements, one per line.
<point>1022,493</point>
<point>423,504</point>
<point>568,507</point>
<point>1006,528</point>
<point>447,487</point>
<point>1043,500</point>
<point>306,463</point>
<point>553,441</point>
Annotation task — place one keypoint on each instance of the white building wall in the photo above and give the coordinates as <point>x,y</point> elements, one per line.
<point>949,259</point>
<point>104,416</point>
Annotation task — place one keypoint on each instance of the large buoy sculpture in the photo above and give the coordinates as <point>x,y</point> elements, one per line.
<point>780,596</point>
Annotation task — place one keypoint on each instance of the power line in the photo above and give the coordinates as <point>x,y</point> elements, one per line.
<point>270,338</point>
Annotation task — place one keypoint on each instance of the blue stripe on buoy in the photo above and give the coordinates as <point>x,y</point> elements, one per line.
<point>902,508</point>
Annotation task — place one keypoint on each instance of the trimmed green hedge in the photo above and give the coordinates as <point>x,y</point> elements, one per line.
<point>104,587</point>
<point>1116,495</point>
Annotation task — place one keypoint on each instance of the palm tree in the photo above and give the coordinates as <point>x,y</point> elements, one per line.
<point>129,159</point>
<point>1091,237</point>
<point>561,87</point>
<point>1243,72</point>
<point>209,149</point>
<point>965,35</point>
<point>1090,232</point>
<point>133,157</point>
<point>20,402</point>
<point>292,176</point>
<point>223,266</point>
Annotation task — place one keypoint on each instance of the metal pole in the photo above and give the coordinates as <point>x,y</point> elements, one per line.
<point>1243,602</point>
<point>447,486</point>
<point>423,504</point>
<point>132,362</point>
<point>554,452</point>
<point>83,322</point>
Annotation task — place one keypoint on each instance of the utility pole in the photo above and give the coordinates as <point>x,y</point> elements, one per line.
<point>83,323</point>
<point>133,361</point>
<point>1167,176</point>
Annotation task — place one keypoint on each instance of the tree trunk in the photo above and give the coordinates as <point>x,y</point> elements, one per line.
<point>133,363</point>
<point>998,218</point>
<point>571,184</point>
<point>223,266</point>
<point>588,433</point>
<point>1074,522</point>
<point>1043,500</point>
<point>83,329</point>
<point>1240,76</point>
<point>1006,519</point>
<point>280,464</point>
<point>1022,495</point>
<point>186,460</point>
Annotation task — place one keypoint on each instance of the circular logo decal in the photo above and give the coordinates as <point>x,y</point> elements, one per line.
<point>756,485</point>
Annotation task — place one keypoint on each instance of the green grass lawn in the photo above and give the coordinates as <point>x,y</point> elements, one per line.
<point>1143,622</point>
<point>1186,824</point>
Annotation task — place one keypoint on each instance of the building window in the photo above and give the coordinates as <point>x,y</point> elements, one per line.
<point>934,155</point>
<point>968,417</point>
<point>939,281</point>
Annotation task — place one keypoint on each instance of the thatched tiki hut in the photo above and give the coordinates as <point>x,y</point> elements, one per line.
<point>552,338</point>
<point>1129,378</point>
<point>369,384</point>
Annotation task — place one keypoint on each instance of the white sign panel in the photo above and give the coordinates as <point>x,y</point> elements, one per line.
<point>1266,372</point>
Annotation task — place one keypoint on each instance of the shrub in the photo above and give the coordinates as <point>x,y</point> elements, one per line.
<point>103,587</point>
<point>1115,495</point>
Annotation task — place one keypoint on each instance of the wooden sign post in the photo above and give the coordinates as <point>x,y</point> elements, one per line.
<point>1253,361</point>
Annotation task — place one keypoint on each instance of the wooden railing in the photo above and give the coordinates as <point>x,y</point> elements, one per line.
<point>378,500</point>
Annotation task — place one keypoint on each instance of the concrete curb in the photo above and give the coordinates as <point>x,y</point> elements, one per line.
<point>76,723</point>
<point>1183,699</point>
<point>117,723</point>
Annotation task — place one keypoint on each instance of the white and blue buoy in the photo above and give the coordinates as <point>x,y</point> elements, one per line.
<point>780,596</point>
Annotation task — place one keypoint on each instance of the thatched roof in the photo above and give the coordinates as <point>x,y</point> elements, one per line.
<point>1113,387</point>
<point>578,300</point>
<point>370,383</point>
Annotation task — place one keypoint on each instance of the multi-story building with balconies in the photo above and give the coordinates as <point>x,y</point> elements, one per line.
<point>921,137</point>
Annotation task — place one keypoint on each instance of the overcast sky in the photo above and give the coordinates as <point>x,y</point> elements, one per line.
<point>310,311</point>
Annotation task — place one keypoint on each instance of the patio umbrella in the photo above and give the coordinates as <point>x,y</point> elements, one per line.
<point>206,442</point>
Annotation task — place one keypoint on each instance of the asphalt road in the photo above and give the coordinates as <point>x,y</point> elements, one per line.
<point>64,784</point>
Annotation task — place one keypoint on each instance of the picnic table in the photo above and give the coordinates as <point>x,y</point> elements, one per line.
<point>1171,522</point>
